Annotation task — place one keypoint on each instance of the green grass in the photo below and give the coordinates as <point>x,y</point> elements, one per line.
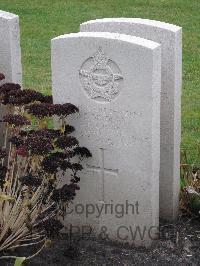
<point>42,20</point>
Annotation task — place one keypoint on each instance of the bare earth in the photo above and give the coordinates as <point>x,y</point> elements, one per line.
<point>179,245</point>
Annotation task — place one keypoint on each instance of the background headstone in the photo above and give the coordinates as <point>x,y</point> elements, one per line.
<point>10,53</point>
<point>114,80</point>
<point>170,38</point>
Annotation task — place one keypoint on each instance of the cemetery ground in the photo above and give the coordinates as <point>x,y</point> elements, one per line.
<point>40,21</point>
<point>179,244</point>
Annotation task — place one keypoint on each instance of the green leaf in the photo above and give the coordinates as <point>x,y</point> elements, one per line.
<point>183,183</point>
<point>19,261</point>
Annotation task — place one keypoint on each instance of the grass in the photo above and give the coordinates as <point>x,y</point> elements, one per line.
<point>42,20</point>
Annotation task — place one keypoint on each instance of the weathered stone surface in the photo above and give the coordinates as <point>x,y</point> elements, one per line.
<point>114,79</point>
<point>170,38</point>
<point>10,53</point>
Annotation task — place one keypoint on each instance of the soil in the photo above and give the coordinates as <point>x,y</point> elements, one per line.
<point>179,245</point>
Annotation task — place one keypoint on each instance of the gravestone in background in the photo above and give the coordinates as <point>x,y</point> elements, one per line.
<point>10,52</point>
<point>170,38</point>
<point>114,79</point>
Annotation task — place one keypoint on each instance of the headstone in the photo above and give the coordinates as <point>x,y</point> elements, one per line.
<point>170,38</point>
<point>10,54</point>
<point>114,79</point>
<point>10,51</point>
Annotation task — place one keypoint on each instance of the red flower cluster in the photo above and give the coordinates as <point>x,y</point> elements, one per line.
<point>65,142</point>
<point>47,99</point>
<point>12,94</point>
<point>8,88</point>
<point>41,110</point>
<point>21,97</point>
<point>65,109</point>
<point>38,145</point>
<point>16,120</point>
<point>44,133</point>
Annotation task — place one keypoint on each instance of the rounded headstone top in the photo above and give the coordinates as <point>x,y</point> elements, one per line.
<point>112,36</point>
<point>7,15</point>
<point>147,22</point>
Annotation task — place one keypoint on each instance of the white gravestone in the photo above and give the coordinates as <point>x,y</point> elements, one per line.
<point>170,38</point>
<point>114,80</point>
<point>10,53</point>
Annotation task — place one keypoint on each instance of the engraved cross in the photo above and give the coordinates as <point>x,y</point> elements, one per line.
<point>102,171</point>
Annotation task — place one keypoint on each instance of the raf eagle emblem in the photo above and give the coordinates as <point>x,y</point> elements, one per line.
<point>100,77</point>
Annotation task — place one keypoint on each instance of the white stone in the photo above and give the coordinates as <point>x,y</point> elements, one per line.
<point>170,38</point>
<point>10,51</point>
<point>114,79</point>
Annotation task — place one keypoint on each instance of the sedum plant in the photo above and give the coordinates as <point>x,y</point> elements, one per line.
<point>34,189</point>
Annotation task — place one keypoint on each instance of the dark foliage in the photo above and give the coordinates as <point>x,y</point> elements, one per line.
<point>66,193</point>
<point>82,151</point>
<point>47,99</point>
<point>16,120</point>
<point>40,162</point>
<point>3,171</point>
<point>16,141</point>
<point>8,88</point>
<point>38,145</point>
<point>21,97</point>
<point>30,180</point>
<point>43,133</point>
<point>51,226</point>
<point>46,109</point>
<point>53,162</point>
<point>65,142</point>
<point>2,153</point>
<point>40,110</point>
<point>65,109</point>
<point>2,76</point>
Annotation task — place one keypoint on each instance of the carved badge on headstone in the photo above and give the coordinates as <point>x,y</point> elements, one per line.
<point>100,77</point>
